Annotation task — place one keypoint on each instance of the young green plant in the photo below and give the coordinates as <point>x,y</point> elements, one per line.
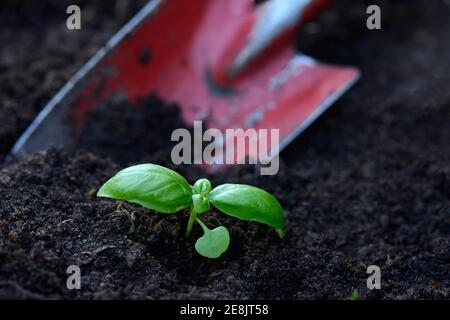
<point>165,191</point>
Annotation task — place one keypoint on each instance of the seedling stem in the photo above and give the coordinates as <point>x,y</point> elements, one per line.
<point>192,217</point>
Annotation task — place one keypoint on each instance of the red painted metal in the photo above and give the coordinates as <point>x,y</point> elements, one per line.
<point>189,43</point>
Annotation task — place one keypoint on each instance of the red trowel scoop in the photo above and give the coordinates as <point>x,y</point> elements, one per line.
<point>230,63</point>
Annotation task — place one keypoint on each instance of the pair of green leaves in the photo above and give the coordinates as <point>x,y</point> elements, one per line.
<point>164,190</point>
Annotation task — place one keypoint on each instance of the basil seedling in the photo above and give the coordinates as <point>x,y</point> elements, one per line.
<point>165,191</point>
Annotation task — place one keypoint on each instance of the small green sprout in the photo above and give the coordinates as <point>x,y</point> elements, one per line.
<point>165,191</point>
<point>355,295</point>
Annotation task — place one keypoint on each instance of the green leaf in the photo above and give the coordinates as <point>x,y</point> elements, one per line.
<point>202,186</point>
<point>151,186</point>
<point>355,295</point>
<point>201,203</point>
<point>213,242</point>
<point>201,190</point>
<point>248,203</point>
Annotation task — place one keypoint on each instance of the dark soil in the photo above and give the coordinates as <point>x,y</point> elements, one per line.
<point>107,130</point>
<point>369,183</point>
<point>38,54</point>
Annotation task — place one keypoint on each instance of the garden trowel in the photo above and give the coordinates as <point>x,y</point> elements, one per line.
<point>229,63</point>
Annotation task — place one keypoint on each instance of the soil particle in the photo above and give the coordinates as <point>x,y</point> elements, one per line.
<point>145,56</point>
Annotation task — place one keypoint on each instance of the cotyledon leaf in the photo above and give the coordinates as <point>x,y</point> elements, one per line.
<point>213,242</point>
<point>151,186</point>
